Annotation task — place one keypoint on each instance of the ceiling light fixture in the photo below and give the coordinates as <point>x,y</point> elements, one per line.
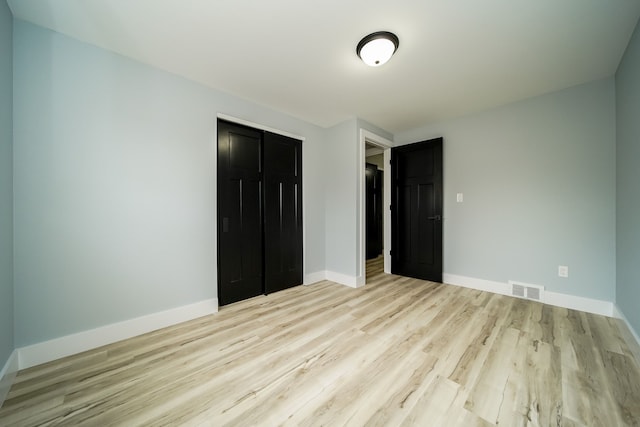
<point>377,48</point>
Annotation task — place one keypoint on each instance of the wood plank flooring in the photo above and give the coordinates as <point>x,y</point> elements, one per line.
<point>397,352</point>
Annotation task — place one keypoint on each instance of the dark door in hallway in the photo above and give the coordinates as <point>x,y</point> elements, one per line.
<point>373,210</point>
<point>416,216</point>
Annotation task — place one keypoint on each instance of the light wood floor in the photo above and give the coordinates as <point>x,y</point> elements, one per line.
<point>396,352</point>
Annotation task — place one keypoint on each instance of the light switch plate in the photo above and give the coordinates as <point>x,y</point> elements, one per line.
<point>459,197</point>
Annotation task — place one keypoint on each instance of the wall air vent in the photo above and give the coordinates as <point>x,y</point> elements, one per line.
<point>527,291</point>
<point>518,290</point>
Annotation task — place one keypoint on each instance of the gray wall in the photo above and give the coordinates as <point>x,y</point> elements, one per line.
<point>6,184</point>
<point>341,158</point>
<point>115,186</point>
<point>538,179</point>
<point>341,154</point>
<point>628,182</point>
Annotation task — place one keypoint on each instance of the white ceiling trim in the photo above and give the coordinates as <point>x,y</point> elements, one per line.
<point>259,126</point>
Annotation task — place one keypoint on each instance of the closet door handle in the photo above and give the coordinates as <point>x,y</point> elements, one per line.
<point>435,218</point>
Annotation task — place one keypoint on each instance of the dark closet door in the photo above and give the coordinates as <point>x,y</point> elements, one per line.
<point>239,213</point>
<point>416,216</point>
<point>282,212</point>
<point>373,210</point>
<point>378,210</point>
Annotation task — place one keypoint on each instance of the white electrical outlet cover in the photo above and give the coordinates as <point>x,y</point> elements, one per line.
<point>563,271</point>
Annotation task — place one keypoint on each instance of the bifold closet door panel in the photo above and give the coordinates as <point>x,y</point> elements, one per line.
<point>282,212</point>
<point>240,258</point>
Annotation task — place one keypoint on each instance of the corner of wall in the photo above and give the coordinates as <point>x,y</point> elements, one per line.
<point>7,375</point>
<point>627,89</point>
<point>344,279</point>
<point>632,338</point>
<point>7,288</point>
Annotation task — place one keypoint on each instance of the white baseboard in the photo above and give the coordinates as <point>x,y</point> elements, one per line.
<point>316,277</point>
<point>47,351</point>
<point>7,374</point>
<point>343,279</point>
<point>478,284</point>
<point>617,313</point>
<point>589,305</point>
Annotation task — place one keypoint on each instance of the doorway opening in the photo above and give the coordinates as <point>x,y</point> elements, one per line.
<point>373,214</point>
<point>376,151</point>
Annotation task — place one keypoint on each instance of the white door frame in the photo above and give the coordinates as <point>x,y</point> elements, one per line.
<point>379,141</point>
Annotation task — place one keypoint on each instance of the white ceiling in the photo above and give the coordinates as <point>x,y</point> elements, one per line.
<point>297,56</point>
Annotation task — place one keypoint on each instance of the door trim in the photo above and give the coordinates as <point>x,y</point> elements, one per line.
<point>385,144</point>
<point>259,126</point>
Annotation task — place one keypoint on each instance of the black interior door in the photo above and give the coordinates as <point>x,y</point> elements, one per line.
<point>373,210</point>
<point>416,213</point>
<point>240,260</point>
<point>378,211</point>
<point>282,212</point>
